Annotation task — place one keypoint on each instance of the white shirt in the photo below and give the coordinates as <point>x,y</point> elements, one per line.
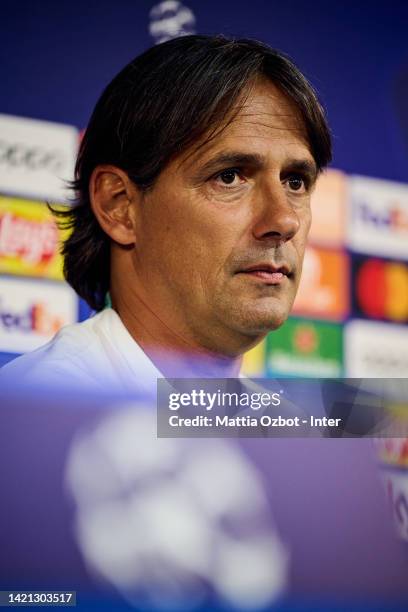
<point>98,354</point>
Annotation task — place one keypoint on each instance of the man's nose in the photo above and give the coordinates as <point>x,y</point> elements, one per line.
<point>275,216</point>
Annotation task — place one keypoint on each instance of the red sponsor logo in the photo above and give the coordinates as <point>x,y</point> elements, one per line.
<point>305,339</point>
<point>382,289</point>
<point>31,241</point>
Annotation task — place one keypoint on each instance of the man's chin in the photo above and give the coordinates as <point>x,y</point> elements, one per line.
<point>261,323</point>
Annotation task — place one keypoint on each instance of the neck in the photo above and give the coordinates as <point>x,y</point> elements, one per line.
<point>173,354</point>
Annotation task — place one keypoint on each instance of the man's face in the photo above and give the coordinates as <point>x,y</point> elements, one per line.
<point>222,232</point>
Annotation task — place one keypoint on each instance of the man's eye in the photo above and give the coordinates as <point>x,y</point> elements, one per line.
<point>228,176</point>
<point>296,183</point>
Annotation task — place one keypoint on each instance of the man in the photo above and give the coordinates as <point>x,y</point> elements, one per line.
<point>193,186</point>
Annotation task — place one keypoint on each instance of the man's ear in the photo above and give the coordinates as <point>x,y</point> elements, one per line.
<point>112,195</point>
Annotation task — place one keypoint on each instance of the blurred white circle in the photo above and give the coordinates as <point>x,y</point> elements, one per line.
<point>167,521</point>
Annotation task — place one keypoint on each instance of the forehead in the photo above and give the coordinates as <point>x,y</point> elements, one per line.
<point>265,121</point>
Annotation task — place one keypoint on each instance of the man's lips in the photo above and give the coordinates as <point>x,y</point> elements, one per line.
<point>272,275</point>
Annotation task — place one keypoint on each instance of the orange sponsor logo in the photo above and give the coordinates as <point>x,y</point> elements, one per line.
<point>323,291</point>
<point>328,203</point>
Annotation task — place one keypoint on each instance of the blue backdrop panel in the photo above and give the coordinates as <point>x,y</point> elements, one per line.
<point>58,56</point>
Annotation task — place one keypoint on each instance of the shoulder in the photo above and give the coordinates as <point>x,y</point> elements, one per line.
<point>72,356</point>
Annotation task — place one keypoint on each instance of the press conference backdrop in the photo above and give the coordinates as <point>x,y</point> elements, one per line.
<point>351,313</point>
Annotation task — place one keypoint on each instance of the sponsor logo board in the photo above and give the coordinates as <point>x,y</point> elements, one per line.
<point>31,312</point>
<point>36,158</point>
<point>324,285</point>
<point>304,348</point>
<point>393,451</point>
<point>380,289</point>
<point>375,350</point>
<point>328,203</point>
<point>378,217</point>
<point>253,363</point>
<point>29,239</point>
<point>396,483</point>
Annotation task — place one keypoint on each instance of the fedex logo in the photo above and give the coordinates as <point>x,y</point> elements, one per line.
<point>31,312</point>
<point>36,318</point>
<point>378,217</point>
<point>393,218</point>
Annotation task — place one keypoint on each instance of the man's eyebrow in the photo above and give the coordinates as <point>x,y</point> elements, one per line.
<point>232,158</point>
<point>307,166</point>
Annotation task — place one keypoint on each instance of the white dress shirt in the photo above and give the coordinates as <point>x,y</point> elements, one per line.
<point>98,354</point>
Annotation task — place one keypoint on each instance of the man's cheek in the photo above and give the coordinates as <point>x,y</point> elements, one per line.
<point>307,224</point>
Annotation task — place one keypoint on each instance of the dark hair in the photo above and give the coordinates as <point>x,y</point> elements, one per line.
<point>157,106</point>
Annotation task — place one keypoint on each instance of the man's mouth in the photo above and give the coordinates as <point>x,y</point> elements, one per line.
<point>268,273</point>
